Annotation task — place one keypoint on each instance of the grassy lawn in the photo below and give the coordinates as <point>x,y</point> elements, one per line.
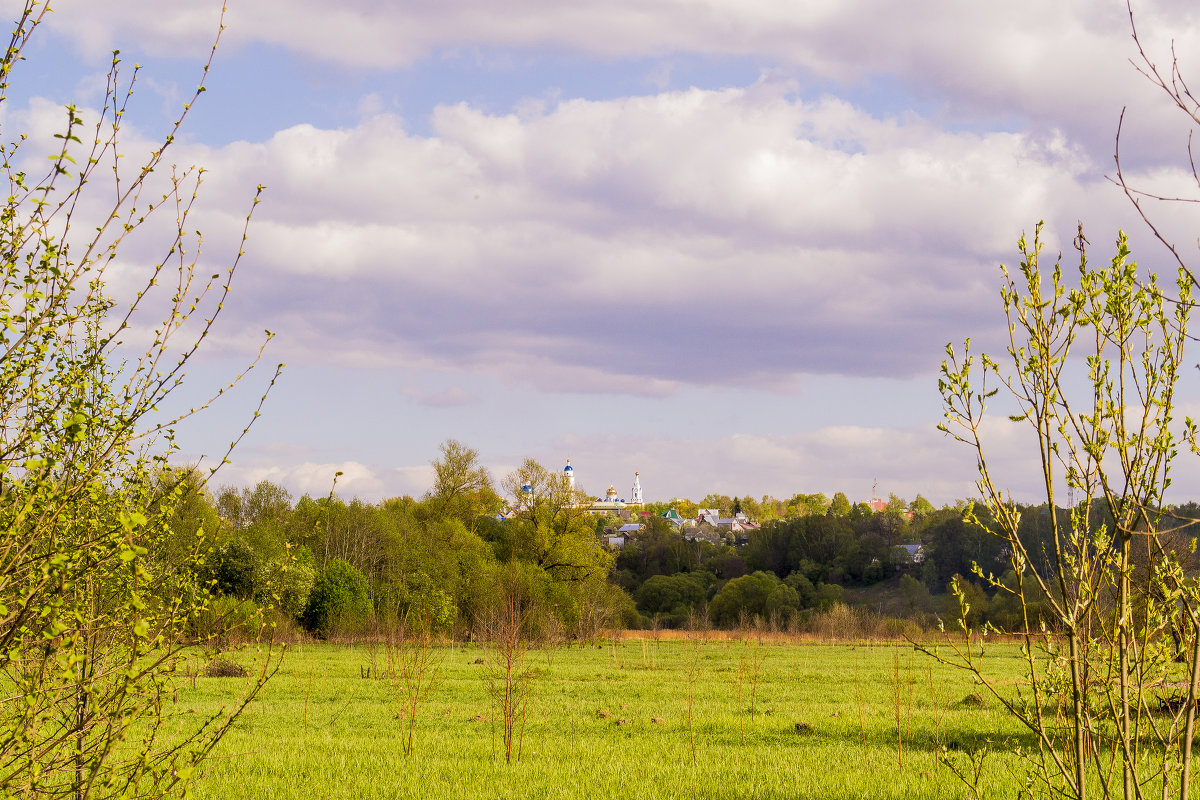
<point>614,722</point>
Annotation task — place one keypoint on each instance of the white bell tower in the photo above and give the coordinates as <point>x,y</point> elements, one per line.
<point>637,489</point>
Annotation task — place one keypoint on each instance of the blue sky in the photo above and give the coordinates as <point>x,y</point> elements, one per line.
<point>720,243</point>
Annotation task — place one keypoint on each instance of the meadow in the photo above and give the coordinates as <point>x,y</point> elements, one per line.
<point>819,720</point>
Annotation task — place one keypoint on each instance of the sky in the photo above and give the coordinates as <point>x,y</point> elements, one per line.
<point>722,243</point>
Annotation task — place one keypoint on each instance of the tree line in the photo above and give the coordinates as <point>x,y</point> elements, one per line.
<point>328,566</point>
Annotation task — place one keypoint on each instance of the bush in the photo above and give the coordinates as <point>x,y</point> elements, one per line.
<point>340,599</point>
<point>224,668</point>
<point>233,568</point>
<point>972,595</point>
<point>842,623</point>
<point>760,594</point>
<point>288,584</point>
<point>838,622</point>
<point>915,594</point>
<point>425,606</point>
<point>225,618</point>
<point>804,588</point>
<point>672,596</point>
<point>828,595</point>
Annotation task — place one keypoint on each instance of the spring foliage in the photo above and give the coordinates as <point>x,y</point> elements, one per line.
<point>97,595</point>
<point>1111,698</point>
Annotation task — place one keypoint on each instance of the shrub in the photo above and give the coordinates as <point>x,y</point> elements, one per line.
<point>804,588</point>
<point>224,668</point>
<point>339,599</point>
<point>97,591</point>
<point>759,594</point>
<point>828,595</point>
<point>233,568</point>
<point>224,619</point>
<point>425,606</point>
<point>914,593</point>
<point>674,596</point>
<point>289,583</point>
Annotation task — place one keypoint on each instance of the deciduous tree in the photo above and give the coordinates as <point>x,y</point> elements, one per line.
<point>1093,371</point>
<point>462,487</point>
<point>551,525</point>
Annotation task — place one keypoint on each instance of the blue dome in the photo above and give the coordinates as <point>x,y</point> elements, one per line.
<point>568,468</point>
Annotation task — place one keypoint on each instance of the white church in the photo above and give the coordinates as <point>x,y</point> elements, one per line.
<point>610,503</point>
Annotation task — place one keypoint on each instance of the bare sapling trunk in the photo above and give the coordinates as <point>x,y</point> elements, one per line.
<point>509,680</point>
<point>413,669</point>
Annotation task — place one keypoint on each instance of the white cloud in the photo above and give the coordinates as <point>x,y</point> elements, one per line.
<point>635,245</point>
<point>605,241</point>
<point>630,245</point>
<point>857,459</point>
<point>307,477</point>
<point>367,482</point>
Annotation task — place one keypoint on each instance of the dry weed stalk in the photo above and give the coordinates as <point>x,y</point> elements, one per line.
<point>939,708</point>
<point>740,712</point>
<point>509,681</point>
<point>860,705</point>
<point>756,657</point>
<point>655,635</point>
<point>553,635</point>
<point>413,668</point>
<point>697,638</point>
<point>307,695</point>
<point>902,703</point>
<point>749,667</point>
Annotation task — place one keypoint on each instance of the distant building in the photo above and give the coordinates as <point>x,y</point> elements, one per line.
<point>707,532</point>
<point>879,506</point>
<point>611,503</point>
<point>621,535</point>
<point>672,516</point>
<point>738,523</point>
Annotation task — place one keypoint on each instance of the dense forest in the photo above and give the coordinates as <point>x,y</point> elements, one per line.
<point>329,566</point>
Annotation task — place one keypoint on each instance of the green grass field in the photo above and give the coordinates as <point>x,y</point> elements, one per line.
<point>614,723</point>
